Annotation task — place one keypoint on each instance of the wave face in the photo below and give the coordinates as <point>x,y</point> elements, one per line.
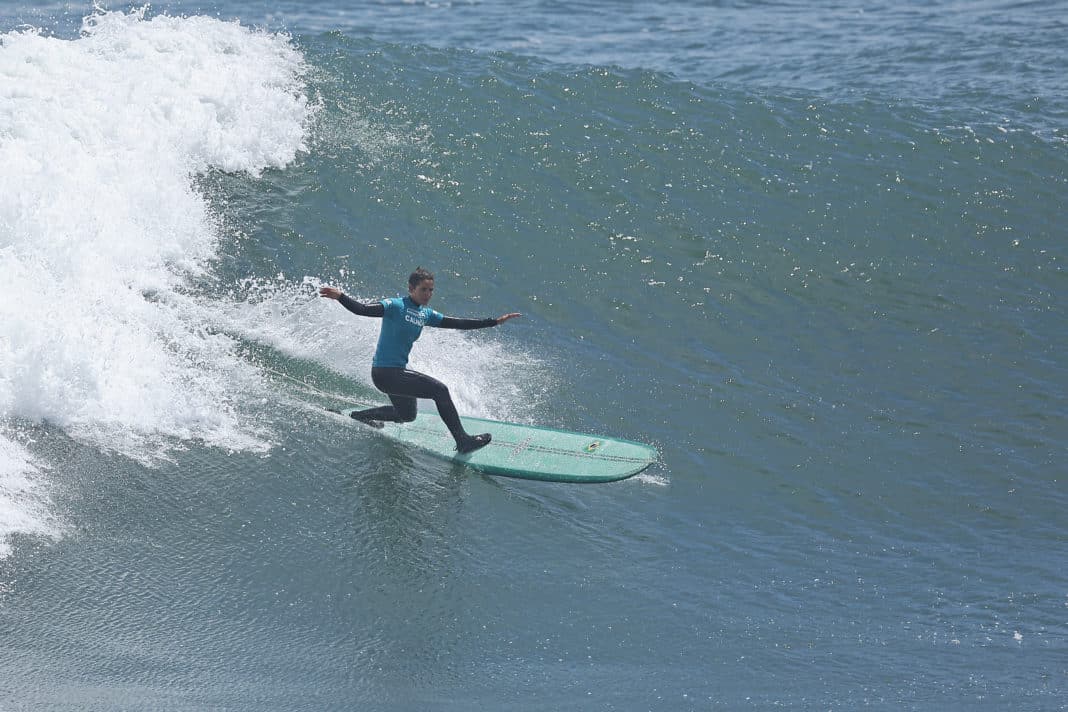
<point>102,228</point>
<point>814,254</point>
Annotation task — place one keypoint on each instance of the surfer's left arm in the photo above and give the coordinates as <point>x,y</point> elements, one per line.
<point>451,322</point>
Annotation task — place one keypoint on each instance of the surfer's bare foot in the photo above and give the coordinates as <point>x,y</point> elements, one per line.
<point>474,442</point>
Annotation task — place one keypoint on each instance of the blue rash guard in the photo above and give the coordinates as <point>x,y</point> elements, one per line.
<point>402,323</point>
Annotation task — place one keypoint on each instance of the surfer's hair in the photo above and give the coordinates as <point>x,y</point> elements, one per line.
<point>419,276</point>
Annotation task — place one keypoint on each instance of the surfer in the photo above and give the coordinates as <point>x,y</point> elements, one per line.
<point>403,319</point>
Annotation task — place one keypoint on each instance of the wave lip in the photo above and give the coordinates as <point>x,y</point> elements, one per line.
<point>102,227</point>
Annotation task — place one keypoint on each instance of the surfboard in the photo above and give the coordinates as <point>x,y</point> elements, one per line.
<point>524,451</point>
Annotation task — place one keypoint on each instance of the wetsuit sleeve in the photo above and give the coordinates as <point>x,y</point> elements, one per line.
<point>362,309</point>
<point>454,323</point>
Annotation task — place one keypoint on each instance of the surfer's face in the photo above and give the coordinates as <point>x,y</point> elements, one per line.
<point>422,292</point>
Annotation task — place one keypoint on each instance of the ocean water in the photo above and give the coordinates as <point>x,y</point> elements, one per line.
<point>813,252</point>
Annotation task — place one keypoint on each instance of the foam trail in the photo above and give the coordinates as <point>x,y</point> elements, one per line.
<point>101,227</point>
<point>486,376</point>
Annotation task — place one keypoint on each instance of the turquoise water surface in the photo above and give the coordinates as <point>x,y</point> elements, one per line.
<point>813,252</point>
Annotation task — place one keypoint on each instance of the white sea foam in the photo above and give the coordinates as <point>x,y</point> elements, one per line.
<point>101,228</point>
<point>650,479</point>
<point>485,376</point>
<point>23,507</point>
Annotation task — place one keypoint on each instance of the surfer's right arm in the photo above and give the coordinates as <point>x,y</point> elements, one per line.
<point>351,304</point>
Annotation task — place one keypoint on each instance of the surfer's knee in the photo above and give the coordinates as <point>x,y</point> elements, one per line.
<point>403,409</point>
<point>405,413</point>
<point>442,395</point>
<point>435,389</point>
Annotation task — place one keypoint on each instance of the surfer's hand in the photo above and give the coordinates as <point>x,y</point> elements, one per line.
<point>330,292</point>
<point>506,317</point>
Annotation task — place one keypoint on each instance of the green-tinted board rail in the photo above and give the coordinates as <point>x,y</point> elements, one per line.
<point>526,451</point>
